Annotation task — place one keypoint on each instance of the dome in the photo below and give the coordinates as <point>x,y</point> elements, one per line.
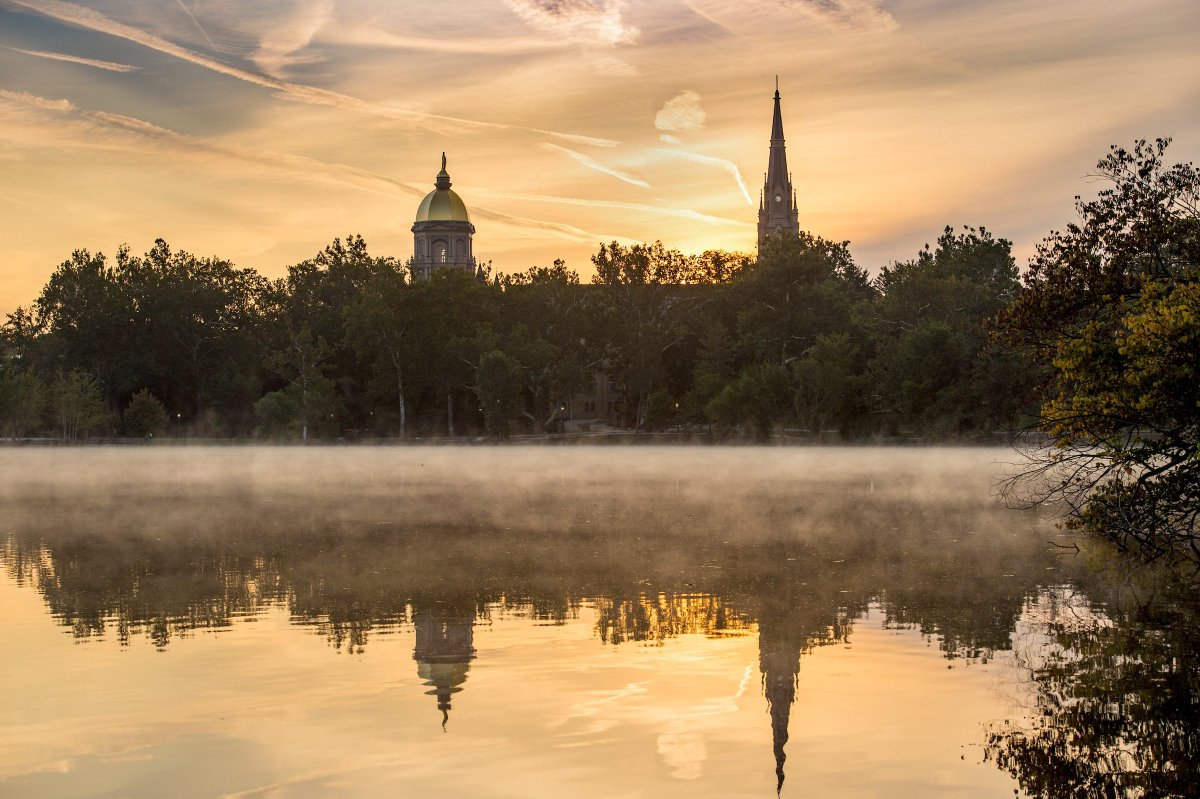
<point>442,205</point>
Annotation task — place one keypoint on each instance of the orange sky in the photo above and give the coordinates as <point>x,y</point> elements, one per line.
<point>258,132</point>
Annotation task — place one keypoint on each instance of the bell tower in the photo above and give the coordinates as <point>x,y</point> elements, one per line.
<point>777,205</point>
<point>442,231</point>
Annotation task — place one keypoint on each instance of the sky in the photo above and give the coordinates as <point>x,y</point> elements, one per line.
<point>258,132</point>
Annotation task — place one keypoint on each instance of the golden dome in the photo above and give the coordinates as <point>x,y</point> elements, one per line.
<point>442,204</point>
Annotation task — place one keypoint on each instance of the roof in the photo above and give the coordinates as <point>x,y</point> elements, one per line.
<point>442,205</point>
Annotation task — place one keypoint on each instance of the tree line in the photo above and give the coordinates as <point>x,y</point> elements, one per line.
<point>348,344</point>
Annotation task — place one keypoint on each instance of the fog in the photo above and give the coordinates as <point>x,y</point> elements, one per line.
<point>744,491</point>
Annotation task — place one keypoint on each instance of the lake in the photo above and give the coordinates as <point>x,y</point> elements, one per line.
<point>607,621</point>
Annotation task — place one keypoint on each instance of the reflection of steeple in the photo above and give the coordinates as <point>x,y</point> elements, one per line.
<point>779,662</point>
<point>445,645</point>
<point>790,625</point>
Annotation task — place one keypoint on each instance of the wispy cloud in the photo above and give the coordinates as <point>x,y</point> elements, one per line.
<point>592,163</point>
<point>739,16</point>
<point>284,41</point>
<point>586,21</point>
<point>94,20</point>
<point>642,208</point>
<point>682,112</point>
<point>107,131</point>
<point>721,163</point>
<point>74,59</point>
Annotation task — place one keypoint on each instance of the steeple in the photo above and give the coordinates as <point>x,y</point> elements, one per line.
<point>778,210</point>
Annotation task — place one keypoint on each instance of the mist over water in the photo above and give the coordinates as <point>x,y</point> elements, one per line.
<point>684,611</point>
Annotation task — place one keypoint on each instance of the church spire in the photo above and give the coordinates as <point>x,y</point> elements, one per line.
<point>779,213</point>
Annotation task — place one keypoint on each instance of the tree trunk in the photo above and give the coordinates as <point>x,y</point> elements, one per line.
<point>399,392</point>
<point>450,413</point>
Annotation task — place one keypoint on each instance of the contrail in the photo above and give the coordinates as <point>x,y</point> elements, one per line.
<point>199,27</point>
<point>94,20</point>
<point>74,59</point>
<point>723,163</point>
<point>684,213</point>
<point>592,163</point>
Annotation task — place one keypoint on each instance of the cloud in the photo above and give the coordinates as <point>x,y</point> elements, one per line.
<point>93,20</point>
<point>108,131</point>
<point>584,21</point>
<point>615,67</point>
<point>102,130</point>
<point>642,208</point>
<point>681,113</point>
<point>43,103</point>
<point>287,36</point>
<point>722,163</point>
<point>74,59</point>
<point>669,139</point>
<point>592,163</point>
<point>742,16</point>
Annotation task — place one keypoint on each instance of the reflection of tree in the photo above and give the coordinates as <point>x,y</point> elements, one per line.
<point>132,583</point>
<point>654,619</point>
<point>1117,704</point>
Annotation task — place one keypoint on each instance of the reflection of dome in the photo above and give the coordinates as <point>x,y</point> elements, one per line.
<point>444,649</point>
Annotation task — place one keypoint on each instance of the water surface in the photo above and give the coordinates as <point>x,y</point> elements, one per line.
<point>607,622</point>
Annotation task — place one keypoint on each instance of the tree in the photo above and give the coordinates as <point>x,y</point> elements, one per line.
<point>549,337</point>
<point>145,416</point>
<point>22,403</point>
<point>827,379</point>
<point>643,311</point>
<point>801,288</point>
<point>1112,304</point>
<point>309,393</point>
<point>78,402</point>
<point>498,387</point>
<point>933,368</point>
<point>761,397</point>
<point>381,327</point>
<point>315,295</point>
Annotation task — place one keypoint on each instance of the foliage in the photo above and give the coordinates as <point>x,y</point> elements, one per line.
<point>933,366</point>
<point>145,416</point>
<point>77,399</point>
<point>22,403</point>
<point>758,400</point>
<point>498,387</point>
<point>1113,305</point>
<point>309,393</point>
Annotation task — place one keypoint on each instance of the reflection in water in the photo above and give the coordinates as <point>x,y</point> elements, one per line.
<point>445,646</point>
<point>659,544</point>
<point>1117,704</point>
